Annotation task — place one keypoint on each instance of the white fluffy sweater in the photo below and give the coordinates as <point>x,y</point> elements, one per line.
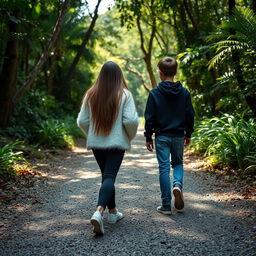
<point>123,131</point>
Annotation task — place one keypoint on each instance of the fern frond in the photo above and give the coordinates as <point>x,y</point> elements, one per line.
<point>220,35</point>
<point>244,22</point>
<point>223,53</point>
<point>221,56</point>
<point>231,42</point>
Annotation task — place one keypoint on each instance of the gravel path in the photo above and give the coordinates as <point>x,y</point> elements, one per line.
<point>57,221</point>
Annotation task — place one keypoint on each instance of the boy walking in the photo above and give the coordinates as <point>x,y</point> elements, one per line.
<point>169,115</point>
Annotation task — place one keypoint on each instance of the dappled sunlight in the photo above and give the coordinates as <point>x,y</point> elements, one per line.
<point>44,224</point>
<point>153,172</point>
<point>82,196</point>
<point>128,186</point>
<point>60,177</point>
<point>201,206</point>
<point>127,177</point>
<point>188,234</point>
<point>65,233</point>
<point>40,225</point>
<point>92,161</point>
<point>140,161</point>
<point>194,196</point>
<point>88,174</point>
<point>163,218</point>
<point>135,211</point>
<point>74,180</point>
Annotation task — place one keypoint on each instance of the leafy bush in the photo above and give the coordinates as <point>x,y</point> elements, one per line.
<point>35,120</point>
<point>29,113</point>
<point>72,128</point>
<point>8,161</point>
<point>227,140</point>
<point>55,133</point>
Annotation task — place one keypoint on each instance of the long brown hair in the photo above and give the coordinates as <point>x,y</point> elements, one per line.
<point>104,97</point>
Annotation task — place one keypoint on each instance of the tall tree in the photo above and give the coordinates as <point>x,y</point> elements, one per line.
<point>148,51</point>
<point>143,15</point>
<point>8,78</point>
<point>80,51</point>
<point>45,54</point>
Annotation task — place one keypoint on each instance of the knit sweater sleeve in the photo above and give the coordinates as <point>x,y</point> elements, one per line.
<point>83,118</point>
<point>130,116</point>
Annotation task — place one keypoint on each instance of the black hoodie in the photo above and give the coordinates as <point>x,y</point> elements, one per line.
<point>169,111</point>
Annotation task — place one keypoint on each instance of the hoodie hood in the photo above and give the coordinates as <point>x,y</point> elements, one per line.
<point>170,88</point>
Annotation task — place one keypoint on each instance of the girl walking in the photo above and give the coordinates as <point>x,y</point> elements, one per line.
<point>109,119</point>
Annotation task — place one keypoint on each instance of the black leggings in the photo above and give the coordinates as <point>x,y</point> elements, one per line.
<point>109,161</point>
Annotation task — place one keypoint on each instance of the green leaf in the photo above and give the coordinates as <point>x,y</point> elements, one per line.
<point>14,19</point>
<point>36,11</point>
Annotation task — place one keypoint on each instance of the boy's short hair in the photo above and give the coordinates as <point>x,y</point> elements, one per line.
<point>168,66</point>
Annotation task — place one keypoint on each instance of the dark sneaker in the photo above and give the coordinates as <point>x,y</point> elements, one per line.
<point>178,198</point>
<point>165,209</point>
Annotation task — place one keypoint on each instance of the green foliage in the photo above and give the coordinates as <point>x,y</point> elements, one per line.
<point>34,108</point>
<point>8,161</point>
<point>40,119</point>
<point>55,133</point>
<point>244,40</point>
<point>228,140</point>
<point>71,127</point>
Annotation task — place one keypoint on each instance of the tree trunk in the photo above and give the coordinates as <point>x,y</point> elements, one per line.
<point>250,100</point>
<point>44,55</point>
<point>8,78</point>
<point>136,73</point>
<point>148,53</point>
<point>83,45</point>
<point>178,34</point>
<point>193,19</point>
<point>184,25</point>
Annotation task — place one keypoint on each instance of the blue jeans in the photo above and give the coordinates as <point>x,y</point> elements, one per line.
<point>166,146</point>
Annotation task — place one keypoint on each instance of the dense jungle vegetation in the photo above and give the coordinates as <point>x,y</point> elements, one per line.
<point>51,52</point>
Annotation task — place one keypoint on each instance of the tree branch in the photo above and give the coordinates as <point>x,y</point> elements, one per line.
<point>189,11</point>
<point>87,7</point>
<point>153,32</point>
<point>84,43</point>
<point>159,43</point>
<point>141,37</point>
<point>135,72</point>
<point>45,54</point>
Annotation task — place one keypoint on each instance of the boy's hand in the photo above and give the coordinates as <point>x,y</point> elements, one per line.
<point>187,141</point>
<point>150,146</point>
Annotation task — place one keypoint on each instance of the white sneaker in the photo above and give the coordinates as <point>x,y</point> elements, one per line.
<point>114,217</point>
<point>178,198</point>
<point>97,222</point>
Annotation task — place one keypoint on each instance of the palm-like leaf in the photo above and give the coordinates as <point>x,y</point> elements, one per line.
<point>244,41</point>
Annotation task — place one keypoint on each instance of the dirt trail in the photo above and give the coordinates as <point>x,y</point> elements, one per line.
<point>57,222</point>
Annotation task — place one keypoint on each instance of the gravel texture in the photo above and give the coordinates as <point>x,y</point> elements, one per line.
<point>54,218</point>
